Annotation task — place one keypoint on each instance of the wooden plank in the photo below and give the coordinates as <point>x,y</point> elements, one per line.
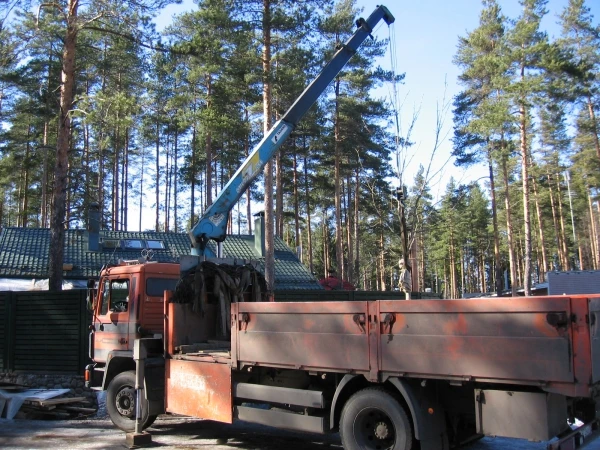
<point>203,346</point>
<point>78,409</point>
<point>57,401</point>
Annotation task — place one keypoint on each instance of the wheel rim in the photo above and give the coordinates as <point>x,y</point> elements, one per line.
<point>374,430</point>
<point>125,402</point>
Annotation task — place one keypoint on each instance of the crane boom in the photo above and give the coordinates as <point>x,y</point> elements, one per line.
<point>213,223</point>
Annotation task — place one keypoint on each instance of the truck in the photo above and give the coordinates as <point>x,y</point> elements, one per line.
<point>384,373</point>
<point>205,339</point>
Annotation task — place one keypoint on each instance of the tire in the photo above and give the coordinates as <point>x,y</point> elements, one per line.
<point>120,403</point>
<point>372,419</point>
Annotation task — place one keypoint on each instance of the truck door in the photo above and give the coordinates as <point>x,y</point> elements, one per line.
<point>114,312</point>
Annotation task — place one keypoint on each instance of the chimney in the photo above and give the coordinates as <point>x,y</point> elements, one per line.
<point>259,233</point>
<point>94,227</point>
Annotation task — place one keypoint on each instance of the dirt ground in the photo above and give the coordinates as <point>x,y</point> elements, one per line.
<point>178,433</point>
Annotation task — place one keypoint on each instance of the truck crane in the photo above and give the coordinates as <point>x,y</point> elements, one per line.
<point>212,224</point>
<point>400,375</point>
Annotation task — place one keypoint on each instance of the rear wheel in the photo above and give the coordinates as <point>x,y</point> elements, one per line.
<point>372,419</point>
<point>121,403</point>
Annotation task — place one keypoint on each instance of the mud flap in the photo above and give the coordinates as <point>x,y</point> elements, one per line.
<point>427,414</point>
<point>154,387</point>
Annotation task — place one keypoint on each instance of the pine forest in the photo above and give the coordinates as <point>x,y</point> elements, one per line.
<point>98,107</point>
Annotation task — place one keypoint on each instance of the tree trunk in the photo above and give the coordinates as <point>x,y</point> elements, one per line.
<point>157,180</point>
<point>278,195</point>
<point>555,221</point>
<point>349,230</point>
<point>248,193</point>
<point>125,178</point>
<point>561,217</point>
<point>194,161</point>
<point>311,265</point>
<point>525,180</point>
<point>339,247</point>
<point>175,178</point>
<point>142,172</point>
<point>168,176</point>
<point>453,288</point>
<point>382,284</point>
<point>297,241</point>
<point>208,147</point>
<point>509,230</point>
<point>326,263</point>
<point>356,262</point>
<point>25,203</point>
<point>67,90</point>
<point>542,237</point>
<point>498,265</point>
<point>268,170</point>
<point>594,233</point>
<point>44,184</point>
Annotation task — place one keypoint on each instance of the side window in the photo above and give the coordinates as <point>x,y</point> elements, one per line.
<point>119,295</point>
<point>156,287</point>
<point>115,296</point>
<point>105,298</point>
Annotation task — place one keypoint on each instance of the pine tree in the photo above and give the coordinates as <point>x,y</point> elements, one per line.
<point>481,111</point>
<point>582,38</point>
<point>528,47</point>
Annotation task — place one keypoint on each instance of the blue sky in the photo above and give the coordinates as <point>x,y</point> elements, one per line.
<point>426,33</point>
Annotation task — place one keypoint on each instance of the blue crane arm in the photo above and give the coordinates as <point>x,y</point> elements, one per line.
<point>213,223</point>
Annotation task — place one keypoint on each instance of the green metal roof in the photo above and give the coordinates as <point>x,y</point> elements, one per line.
<point>24,254</point>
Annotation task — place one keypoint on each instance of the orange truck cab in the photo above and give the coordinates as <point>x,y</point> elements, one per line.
<point>127,304</point>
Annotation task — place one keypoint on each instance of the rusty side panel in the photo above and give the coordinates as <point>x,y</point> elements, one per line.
<point>583,360</point>
<point>594,338</point>
<point>304,335</point>
<point>199,389</point>
<point>508,339</point>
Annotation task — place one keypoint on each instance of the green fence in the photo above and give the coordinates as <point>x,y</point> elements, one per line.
<point>43,332</point>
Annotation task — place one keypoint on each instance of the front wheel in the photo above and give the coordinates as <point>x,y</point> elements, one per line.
<point>372,419</point>
<point>120,403</point>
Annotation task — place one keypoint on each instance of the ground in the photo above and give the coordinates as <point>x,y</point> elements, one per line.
<point>178,433</point>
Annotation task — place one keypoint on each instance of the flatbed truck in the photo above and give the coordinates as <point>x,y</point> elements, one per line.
<point>399,375</point>
<point>384,373</point>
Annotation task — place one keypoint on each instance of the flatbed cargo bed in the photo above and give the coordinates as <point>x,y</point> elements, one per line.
<point>549,342</point>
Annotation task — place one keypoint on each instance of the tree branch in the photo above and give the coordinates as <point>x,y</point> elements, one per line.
<point>42,5</point>
<point>139,42</point>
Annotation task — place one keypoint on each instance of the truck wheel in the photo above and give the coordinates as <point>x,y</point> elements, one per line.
<point>372,419</point>
<point>120,403</point>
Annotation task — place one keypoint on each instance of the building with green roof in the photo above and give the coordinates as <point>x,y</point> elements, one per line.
<point>24,255</point>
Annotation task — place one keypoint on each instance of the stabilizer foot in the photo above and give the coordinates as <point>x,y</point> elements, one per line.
<point>138,440</point>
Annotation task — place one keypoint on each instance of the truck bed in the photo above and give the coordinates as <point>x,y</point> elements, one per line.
<point>547,344</point>
<point>550,342</point>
